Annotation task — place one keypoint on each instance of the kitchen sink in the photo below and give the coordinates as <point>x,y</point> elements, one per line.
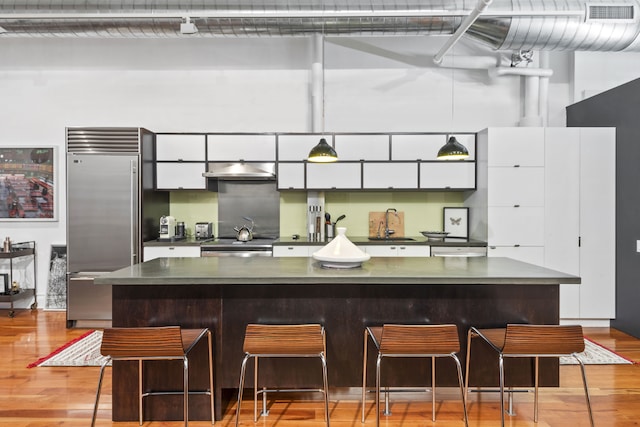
<point>393,239</point>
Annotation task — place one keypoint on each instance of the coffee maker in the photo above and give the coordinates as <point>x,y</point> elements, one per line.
<point>167,227</point>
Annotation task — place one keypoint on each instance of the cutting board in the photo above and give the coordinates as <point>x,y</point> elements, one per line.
<point>396,222</point>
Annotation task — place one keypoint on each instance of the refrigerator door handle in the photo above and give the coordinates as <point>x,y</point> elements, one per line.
<point>134,212</point>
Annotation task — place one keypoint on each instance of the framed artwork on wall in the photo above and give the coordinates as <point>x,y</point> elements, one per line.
<point>456,222</point>
<point>27,184</point>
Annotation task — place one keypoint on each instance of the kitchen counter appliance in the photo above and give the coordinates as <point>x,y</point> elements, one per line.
<point>204,230</point>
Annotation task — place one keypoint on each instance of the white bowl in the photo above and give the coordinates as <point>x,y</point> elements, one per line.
<point>434,235</point>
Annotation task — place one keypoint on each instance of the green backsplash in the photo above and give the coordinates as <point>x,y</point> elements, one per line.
<point>422,210</point>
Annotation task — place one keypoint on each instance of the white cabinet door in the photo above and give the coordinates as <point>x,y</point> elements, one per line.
<point>294,250</point>
<point>530,254</point>
<point>511,186</point>
<point>153,252</point>
<point>297,147</point>
<point>362,147</point>
<point>426,147</point>
<point>597,222</point>
<point>562,210</point>
<point>180,147</point>
<point>448,174</point>
<point>516,146</point>
<point>290,176</point>
<point>414,251</point>
<point>180,176</point>
<point>380,250</point>
<point>333,176</point>
<point>510,226</point>
<point>390,175</point>
<point>241,147</point>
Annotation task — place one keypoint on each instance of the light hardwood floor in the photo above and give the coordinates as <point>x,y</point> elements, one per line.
<point>50,396</point>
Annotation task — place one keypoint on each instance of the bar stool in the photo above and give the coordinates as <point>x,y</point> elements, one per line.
<point>413,341</point>
<point>282,341</point>
<point>154,343</point>
<point>535,341</point>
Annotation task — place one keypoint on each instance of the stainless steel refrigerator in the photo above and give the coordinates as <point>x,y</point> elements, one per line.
<point>111,210</point>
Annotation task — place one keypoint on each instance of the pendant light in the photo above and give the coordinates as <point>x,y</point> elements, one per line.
<point>453,150</point>
<point>322,153</point>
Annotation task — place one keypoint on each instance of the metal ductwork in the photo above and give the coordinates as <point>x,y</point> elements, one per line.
<point>507,25</point>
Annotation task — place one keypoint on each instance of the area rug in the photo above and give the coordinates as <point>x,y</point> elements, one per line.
<point>81,351</point>
<point>596,354</point>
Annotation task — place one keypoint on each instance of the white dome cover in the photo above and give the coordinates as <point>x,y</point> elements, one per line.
<point>341,249</point>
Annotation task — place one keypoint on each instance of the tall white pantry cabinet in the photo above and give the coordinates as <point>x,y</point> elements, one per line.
<point>547,196</point>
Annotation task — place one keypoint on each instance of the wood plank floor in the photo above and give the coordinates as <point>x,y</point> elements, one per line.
<point>51,396</point>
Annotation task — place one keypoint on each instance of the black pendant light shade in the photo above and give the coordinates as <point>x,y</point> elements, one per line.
<point>453,150</point>
<point>323,153</point>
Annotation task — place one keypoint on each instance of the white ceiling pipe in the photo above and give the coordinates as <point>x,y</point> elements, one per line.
<point>464,26</point>
<point>543,102</point>
<point>516,71</point>
<point>317,84</point>
<point>470,62</point>
<point>531,113</point>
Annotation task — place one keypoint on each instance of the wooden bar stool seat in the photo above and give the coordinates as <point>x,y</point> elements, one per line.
<point>532,341</point>
<point>414,341</point>
<point>155,343</point>
<point>294,341</point>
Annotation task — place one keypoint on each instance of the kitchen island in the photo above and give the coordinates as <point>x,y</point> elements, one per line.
<point>224,294</point>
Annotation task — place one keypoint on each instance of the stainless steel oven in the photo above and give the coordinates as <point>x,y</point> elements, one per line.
<point>225,247</point>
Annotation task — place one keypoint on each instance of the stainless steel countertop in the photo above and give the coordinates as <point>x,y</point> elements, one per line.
<point>306,271</point>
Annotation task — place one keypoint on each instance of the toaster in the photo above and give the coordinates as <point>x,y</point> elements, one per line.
<point>204,230</point>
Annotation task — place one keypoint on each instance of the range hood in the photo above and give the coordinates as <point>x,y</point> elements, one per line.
<point>241,171</point>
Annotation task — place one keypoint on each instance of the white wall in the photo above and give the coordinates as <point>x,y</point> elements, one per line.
<point>253,85</point>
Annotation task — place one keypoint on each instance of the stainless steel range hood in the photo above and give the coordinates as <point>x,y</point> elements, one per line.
<point>241,171</point>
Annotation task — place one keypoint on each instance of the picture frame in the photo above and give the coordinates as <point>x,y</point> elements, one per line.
<point>4,283</point>
<point>456,221</point>
<point>28,183</point>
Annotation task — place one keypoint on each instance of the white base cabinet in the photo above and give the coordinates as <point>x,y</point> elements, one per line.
<point>153,252</point>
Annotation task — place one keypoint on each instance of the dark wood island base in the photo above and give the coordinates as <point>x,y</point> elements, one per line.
<point>199,292</point>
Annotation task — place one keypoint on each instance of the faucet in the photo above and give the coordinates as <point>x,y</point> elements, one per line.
<point>387,231</point>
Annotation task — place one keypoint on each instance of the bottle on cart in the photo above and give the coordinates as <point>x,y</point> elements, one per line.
<point>7,244</point>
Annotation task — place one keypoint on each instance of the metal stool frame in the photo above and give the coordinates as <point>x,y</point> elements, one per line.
<point>307,340</point>
<point>155,343</point>
<point>532,341</point>
<point>416,341</point>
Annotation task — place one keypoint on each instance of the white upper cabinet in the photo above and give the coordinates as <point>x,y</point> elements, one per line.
<point>426,146</point>
<point>362,147</point>
<point>241,148</point>
<point>447,174</point>
<point>297,147</point>
<point>327,176</point>
<point>290,176</point>
<point>516,146</point>
<point>397,175</point>
<point>180,176</point>
<point>184,147</point>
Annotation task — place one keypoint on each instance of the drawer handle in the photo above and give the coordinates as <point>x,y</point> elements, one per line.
<point>516,246</point>
<point>516,166</point>
<point>516,206</point>
<point>171,248</point>
<point>290,248</point>
<point>492,247</point>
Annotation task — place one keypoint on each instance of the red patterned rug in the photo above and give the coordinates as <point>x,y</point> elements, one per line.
<point>81,351</point>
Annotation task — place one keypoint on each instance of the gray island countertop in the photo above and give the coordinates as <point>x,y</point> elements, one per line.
<point>304,271</point>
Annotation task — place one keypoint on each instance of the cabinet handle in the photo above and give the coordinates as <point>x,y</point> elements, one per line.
<point>392,248</point>
<point>171,248</point>
<point>492,247</point>
<point>390,188</point>
<point>516,166</point>
<point>516,246</point>
<point>516,206</point>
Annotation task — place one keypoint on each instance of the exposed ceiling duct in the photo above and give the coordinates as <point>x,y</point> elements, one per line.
<point>507,25</point>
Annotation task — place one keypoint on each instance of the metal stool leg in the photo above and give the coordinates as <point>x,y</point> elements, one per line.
<point>586,388</point>
<point>325,380</point>
<point>185,378</point>
<point>140,390</point>
<point>241,385</point>
<point>501,363</point>
<point>433,389</point>
<point>378,361</point>
<point>95,406</point>
<point>364,373</point>
<point>213,412</point>
<point>462,389</point>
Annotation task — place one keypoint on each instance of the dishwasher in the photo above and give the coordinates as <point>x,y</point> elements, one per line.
<point>458,251</point>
